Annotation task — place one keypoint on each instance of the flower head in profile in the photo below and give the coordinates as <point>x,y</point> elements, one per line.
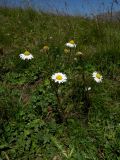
<point>79,54</point>
<point>71,44</point>
<point>59,77</point>
<point>97,77</point>
<point>45,48</point>
<point>26,55</point>
<point>66,50</point>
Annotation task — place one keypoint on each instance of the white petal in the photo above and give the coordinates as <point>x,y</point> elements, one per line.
<point>29,56</point>
<point>22,56</point>
<point>53,77</point>
<point>97,80</point>
<point>87,88</point>
<point>94,74</point>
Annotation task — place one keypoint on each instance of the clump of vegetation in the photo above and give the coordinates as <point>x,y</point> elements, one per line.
<point>59,87</point>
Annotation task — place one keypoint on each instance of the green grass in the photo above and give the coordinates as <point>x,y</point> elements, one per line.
<point>30,124</point>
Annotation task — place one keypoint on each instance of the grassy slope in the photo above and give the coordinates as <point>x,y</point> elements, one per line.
<point>27,130</point>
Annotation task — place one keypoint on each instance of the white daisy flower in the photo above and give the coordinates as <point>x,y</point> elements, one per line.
<point>97,77</point>
<point>71,44</point>
<point>59,77</point>
<point>26,55</point>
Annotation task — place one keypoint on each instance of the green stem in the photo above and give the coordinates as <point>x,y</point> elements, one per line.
<point>86,97</point>
<point>59,109</point>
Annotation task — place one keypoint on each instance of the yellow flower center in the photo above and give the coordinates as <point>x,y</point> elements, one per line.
<point>59,77</point>
<point>98,75</point>
<point>26,53</point>
<point>72,42</point>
